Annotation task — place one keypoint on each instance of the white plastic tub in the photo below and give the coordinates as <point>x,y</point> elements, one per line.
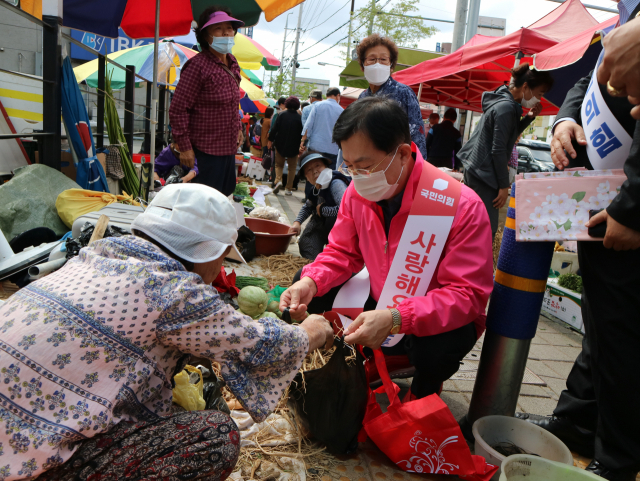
<point>523,467</point>
<point>491,430</point>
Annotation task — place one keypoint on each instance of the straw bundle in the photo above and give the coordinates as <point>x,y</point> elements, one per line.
<point>497,242</point>
<point>279,270</point>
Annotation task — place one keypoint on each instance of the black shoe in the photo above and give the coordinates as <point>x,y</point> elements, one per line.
<point>576,438</point>
<point>611,474</point>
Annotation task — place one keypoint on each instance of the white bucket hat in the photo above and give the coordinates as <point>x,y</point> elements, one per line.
<point>195,222</point>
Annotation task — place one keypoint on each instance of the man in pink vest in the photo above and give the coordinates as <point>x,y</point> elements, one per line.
<point>435,292</point>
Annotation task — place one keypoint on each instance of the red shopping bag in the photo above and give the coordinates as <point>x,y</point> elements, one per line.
<point>421,436</point>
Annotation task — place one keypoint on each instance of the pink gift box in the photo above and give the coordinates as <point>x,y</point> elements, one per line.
<point>554,206</point>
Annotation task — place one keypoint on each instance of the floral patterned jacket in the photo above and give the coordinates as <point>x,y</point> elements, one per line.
<point>98,341</point>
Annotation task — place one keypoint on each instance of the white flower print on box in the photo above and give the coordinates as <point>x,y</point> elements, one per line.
<point>562,212</point>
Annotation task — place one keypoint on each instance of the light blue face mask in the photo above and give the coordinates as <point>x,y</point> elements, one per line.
<point>222,45</point>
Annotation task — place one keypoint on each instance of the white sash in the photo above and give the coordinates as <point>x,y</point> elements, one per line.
<point>414,263</point>
<point>609,143</point>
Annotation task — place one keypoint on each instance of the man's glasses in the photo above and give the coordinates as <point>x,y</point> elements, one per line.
<point>343,169</point>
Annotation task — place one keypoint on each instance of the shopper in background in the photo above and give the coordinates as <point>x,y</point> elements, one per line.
<point>319,127</point>
<point>486,155</point>
<point>444,141</point>
<point>378,57</point>
<point>279,108</point>
<point>266,126</point>
<point>285,135</point>
<point>204,110</point>
<point>314,97</point>
<point>434,119</point>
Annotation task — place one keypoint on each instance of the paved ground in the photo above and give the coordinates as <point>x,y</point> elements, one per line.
<point>551,357</point>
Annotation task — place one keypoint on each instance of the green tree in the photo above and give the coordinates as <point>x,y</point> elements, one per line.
<point>405,32</point>
<point>280,85</point>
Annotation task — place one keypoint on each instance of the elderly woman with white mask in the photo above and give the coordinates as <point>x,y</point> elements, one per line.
<point>323,194</point>
<point>89,352</point>
<point>378,57</point>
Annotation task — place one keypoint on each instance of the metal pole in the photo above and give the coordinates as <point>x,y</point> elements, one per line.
<point>161,108</point>
<point>594,7</point>
<point>147,124</point>
<point>512,319</point>
<point>459,24</point>
<point>519,56</point>
<point>154,89</point>
<point>129,89</point>
<point>102,66</point>
<point>284,42</point>
<point>295,54</point>
<point>419,92</point>
<point>472,21</point>
<point>51,104</point>
<point>353,2</point>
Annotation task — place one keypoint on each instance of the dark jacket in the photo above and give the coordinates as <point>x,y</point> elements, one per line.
<point>286,134</point>
<point>625,207</point>
<point>443,140</point>
<point>325,194</point>
<point>486,154</point>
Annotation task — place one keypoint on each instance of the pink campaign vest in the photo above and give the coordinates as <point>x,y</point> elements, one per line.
<point>414,263</point>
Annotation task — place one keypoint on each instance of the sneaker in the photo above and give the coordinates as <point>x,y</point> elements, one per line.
<point>288,192</point>
<point>277,187</point>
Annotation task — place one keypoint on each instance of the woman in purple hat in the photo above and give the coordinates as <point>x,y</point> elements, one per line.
<point>204,110</point>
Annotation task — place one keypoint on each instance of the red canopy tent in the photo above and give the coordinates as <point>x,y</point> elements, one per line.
<point>485,63</point>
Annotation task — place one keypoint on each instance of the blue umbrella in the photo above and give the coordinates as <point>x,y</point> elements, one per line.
<point>89,172</point>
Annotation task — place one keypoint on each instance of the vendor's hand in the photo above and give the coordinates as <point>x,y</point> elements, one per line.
<point>319,331</point>
<point>298,297</point>
<point>370,329</point>
<point>535,111</point>
<point>302,148</point>
<point>188,158</point>
<point>319,209</point>
<point>295,228</point>
<point>501,200</point>
<point>621,63</point>
<point>563,134</point>
<point>618,236</point>
<point>269,145</point>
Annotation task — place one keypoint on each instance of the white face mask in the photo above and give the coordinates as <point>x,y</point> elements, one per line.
<point>377,74</point>
<point>222,45</point>
<point>324,179</point>
<point>529,104</point>
<point>374,187</point>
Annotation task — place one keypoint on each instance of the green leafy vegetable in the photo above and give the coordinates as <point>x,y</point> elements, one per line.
<point>242,189</point>
<point>573,282</point>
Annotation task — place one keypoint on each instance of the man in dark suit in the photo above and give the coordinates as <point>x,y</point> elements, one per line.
<point>597,414</point>
<point>444,141</point>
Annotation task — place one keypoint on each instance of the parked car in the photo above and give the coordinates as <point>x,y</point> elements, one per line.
<point>534,156</point>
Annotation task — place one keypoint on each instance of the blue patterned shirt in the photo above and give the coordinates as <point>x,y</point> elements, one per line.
<point>407,99</point>
<point>97,342</point>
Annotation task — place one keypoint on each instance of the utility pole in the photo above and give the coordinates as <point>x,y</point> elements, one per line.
<point>459,24</point>
<point>353,2</point>
<point>472,23</point>
<point>295,54</point>
<point>284,43</point>
<point>372,17</point>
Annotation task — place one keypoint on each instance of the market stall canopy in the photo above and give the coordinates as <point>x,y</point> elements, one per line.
<point>572,59</point>
<point>253,92</point>
<point>351,94</point>
<point>171,58</point>
<point>565,21</point>
<point>460,78</point>
<point>137,17</point>
<point>249,75</point>
<point>352,76</point>
<point>249,106</point>
<point>249,53</point>
<point>485,63</point>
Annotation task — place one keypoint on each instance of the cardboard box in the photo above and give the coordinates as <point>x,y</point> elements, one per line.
<point>563,304</point>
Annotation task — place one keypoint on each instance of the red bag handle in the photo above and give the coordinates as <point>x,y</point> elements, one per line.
<point>391,388</point>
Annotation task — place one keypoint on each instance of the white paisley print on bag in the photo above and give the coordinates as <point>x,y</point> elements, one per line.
<point>429,457</point>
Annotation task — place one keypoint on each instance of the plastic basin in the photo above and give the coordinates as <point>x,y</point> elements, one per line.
<point>523,467</point>
<point>491,430</point>
<point>276,237</point>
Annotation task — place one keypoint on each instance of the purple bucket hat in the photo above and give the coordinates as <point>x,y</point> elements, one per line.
<point>219,17</point>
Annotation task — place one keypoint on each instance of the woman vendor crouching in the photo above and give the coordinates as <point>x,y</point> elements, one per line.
<point>440,323</point>
<point>323,194</point>
<point>89,352</point>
